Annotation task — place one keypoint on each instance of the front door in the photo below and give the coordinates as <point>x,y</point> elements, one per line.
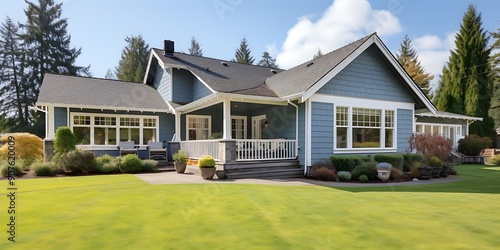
<point>257,126</point>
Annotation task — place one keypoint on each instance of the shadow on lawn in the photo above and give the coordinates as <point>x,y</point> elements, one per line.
<point>472,179</point>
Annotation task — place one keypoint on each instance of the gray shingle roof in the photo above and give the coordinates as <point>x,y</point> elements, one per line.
<point>300,78</point>
<point>443,114</point>
<point>94,92</point>
<point>233,78</point>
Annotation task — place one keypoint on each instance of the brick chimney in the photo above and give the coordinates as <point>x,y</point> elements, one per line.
<point>168,48</point>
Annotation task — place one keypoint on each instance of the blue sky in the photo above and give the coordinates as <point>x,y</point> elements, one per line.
<point>291,31</point>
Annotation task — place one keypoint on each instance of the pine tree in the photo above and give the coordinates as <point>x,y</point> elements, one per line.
<point>12,75</point>
<point>133,61</point>
<point>494,111</point>
<point>318,54</point>
<point>109,75</point>
<point>242,54</point>
<point>408,58</point>
<point>267,61</point>
<point>195,48</point>
<point>465,87</point>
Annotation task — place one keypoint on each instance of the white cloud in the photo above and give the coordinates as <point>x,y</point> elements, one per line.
<point>342,23</point>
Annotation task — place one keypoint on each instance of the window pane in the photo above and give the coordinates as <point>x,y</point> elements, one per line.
<point>419,129</point>
<point>341,116</point>
<point>436,130</point>
<point>365,138</point>
<point>124,134</point>
<point>134,135</point>
<point>427,129</point>
<point>82,135</point>
<point>389,139</point>
<point>389,118</point>
<point>81,120</point>
<point>111,136</point>
<point>99,136</point>
<point>341,137</point>
<point>129,134</point>
<point>149,135</point>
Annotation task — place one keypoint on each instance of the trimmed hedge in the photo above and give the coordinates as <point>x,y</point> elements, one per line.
<point>366,168</point>
<point>347,162</point>
<point>43,169</point>
<point>409,159</point>
<point>130,164</point>
<point>396,160</point>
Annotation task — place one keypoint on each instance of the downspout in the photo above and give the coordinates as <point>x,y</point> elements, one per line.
<point>296,128</point>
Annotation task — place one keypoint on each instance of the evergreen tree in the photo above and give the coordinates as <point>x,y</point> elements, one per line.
<point>494,111</point>
<point>242,54</point>
<point>465,87</point>
<point>267,61</point>
<point>133,61</point>
<point>318,54</point>
<point>12,75</point>
<point>47,50</point>
<point>109,75</point>
<point>195,48</point>
<point>408,58</point>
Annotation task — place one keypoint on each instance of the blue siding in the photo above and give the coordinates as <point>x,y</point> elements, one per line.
<point>281,120</point>
<point>302,133</point>
<point>60,117</point>
<point>182,86</point>
<point>162,83</point>
<point>199,89</point>
<point>321,130</point>
<point>369,76</point>
<point>404,128</point>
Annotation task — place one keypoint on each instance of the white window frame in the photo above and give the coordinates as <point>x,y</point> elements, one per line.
<point>244,119</point>
<point>458,130</point>
<point>92,125</point>
<point>209,119</point>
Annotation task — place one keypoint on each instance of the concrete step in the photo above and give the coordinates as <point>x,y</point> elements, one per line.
<point>240,165</point>
<point>268,173</point>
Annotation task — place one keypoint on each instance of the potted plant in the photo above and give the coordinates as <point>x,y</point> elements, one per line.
<point>180,161</point>
<point>436,164</point>
<point>384,170</point>
<point>207,167</point>
<point>425,172</point>
<point>445,170</point>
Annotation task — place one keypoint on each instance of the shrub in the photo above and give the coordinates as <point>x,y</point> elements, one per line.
<point>16,170</point>
<point>65,140</point>
<point>130,164</point>
<point>415,173</point>
<point>27,146</point>
<point>322,163</point>
<point>206,161</point>
<point>347,162</point>
<point>43,169</point>
<point>473,145</point>
<point>409,159</point>
<point>434,162</point>
<point>149,165</point>
<point>430,145</point>
<point>344,175</point>
<point>452,171</point>
<point>384,166</point>
<point>396,174</point>
<point>325,174</point>
<point>75,161</point>
<point>180,156</point>
<point>495,160</point>
<point>396,160</point>
<point>363,178</point>
<point>109,168</point>
<point>365,168</point>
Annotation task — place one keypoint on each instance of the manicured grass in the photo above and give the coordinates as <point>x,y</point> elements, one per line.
<point>122,212</point>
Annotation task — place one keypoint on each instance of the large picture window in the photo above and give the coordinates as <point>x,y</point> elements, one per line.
<point>364,128</point>
<point>199,127</point>
<point>98,129</point>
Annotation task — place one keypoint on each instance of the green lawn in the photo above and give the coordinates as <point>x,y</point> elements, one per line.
<point>122,212</point>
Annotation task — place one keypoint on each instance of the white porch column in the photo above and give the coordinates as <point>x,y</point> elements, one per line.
<point>178,117</point>
<point>226,120</point>
<point>51,133</point>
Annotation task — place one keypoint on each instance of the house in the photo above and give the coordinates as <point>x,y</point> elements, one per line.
<point>255,121</point>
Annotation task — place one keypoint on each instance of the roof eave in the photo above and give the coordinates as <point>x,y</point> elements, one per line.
<point>79,106</point>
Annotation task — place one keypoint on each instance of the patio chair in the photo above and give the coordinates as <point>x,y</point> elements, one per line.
<point>156,149</point>
<point>127,147</point>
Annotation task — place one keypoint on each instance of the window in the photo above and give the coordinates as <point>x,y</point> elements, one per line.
<point>99,129</point>
<point>452,132</point>
<point>239,127</point>
<point>198,127</point>
<point>364,128</point>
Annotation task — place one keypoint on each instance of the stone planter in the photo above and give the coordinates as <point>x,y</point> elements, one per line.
<point>444,171</point>
<point>436,172</point>
<point>180,167</point>
<point>207,173</point>
<point>425,173</point>
<point>383,175</point>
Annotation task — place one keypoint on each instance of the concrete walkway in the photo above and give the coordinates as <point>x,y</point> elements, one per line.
<point>189,178</point>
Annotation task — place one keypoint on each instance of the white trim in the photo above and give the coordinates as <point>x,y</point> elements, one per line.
<point>51,121</point>
<point>296,129</point>
<point>253,99</point>
<point>226,120</point>
<point>450,116</point>
<point>209,117</point>
<point>256,130</point>
<point>245,129</point>
<point>204,83</point>
<point>128,109</point>
<point>308,133</point>
<point>117,127</point>
<point>364,151</point>
<point>361,102</point>
<point>199,104</point>
<point>178,121</point>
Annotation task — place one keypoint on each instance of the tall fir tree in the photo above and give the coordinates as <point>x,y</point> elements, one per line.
<point>267,61</point>
<point>318,54</point>
<point>195,48</point>
<point>494,111</point>
<point>242,54</point>
<point>133,61</point>
<point>465,87</point>
<point>47,49</point>
<point>12,75</point>
<point>407,57</point>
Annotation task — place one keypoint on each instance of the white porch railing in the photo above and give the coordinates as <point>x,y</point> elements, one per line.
<point>271,149</point>
<point>199,148</point>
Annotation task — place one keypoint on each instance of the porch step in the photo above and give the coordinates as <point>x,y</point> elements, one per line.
<point>295,172</point>
<point>260,165</point>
